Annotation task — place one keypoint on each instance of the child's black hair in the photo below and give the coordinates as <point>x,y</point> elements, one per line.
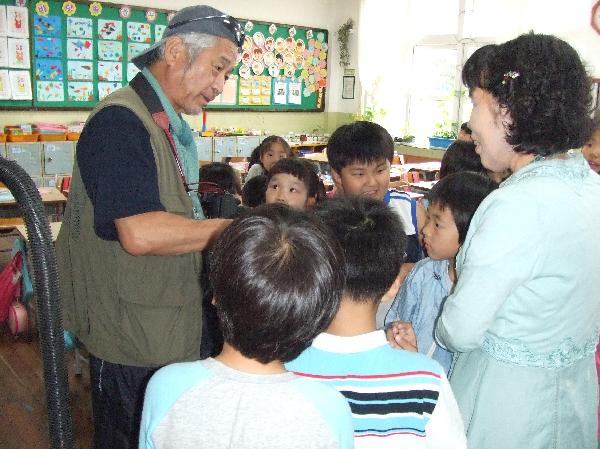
<point>465,127</point>
<point>277,282</point>
<point>265,146</point>
<point>542,83</point>
<point>373,240</point>
<point>223,175</point>
<point>461,156</point>
<point>302,169</point>
<point>254,191</point>
<point>462,193</point>
<point>361,141</point>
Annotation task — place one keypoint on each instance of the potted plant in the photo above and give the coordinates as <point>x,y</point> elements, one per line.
<point>443,135</point>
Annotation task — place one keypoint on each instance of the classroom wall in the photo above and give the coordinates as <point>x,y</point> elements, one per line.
<point>327,14</point>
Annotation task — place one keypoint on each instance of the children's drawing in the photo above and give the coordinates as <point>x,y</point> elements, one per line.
<point>3,52</point>
<point>17,21</point>
<point>48,47</point>
<point>111,30</point>
<point>4,85</point>
<point>110,50</point>
<point>158,32</point>
<point>3,24</point>
<point>79,27</point>
<point>20,85</point>
<point>104,89</point>
<point>79,49</point>
<point>80,91</point>
<point>18,53</point>
<point>132,70</point>
<point>134,49</point>
<point>49,91</point>
<point>79,71</point>
<point>109,71</point>
<point>48,70</point>
<point>139,32</point>
<point>46,26</point>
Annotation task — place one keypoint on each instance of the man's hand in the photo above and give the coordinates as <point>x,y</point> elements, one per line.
<point>401,335</point>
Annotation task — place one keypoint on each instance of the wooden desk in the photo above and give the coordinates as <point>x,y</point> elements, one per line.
<point>54,229</point>
<point>52,199</point>
<point>419,154</point>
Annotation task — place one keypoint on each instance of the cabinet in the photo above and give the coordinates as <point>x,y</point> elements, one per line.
<point>27,155</point>
<point>247,144</point>
<point>204,145</point>
<point>58,158</point>
<point>224,147</point>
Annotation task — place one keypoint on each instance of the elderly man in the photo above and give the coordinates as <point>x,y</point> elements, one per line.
<point>129,249</point>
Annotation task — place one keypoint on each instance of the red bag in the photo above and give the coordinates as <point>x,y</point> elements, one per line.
<point>10,284</point>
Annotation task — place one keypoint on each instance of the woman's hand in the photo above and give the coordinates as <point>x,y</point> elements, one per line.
<point>401,335</point>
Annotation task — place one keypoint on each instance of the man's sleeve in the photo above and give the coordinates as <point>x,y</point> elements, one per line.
<point>118,169</point>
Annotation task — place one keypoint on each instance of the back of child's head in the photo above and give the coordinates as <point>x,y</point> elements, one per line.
<point>222,175</point>
<point>302,169</point>
<point>277,282</point>
<point>464,133</point>
<point>462,193</point>
<point>373,240</point>
<point>362,142</point>
<point>253,192</point>
<point>461,156</point>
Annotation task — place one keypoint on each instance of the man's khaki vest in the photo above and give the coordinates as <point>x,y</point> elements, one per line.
<point>131,310</point>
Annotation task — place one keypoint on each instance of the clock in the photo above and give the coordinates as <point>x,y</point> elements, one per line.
<point>596,16</point>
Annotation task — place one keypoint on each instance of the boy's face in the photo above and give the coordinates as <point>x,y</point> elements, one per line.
<point>440,234</point>
<point>287,189</point>
<point>360,178</point>
<point>591,152</point>
<point>272,155</point>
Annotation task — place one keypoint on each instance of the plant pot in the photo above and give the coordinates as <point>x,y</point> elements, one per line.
<point>440,142</point>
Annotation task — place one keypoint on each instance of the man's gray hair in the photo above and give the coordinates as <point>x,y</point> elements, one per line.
<point>194,43</point>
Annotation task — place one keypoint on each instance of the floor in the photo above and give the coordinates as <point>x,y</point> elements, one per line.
<point>23,412</point>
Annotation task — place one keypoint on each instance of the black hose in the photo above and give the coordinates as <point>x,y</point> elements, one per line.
<point>49,311</point>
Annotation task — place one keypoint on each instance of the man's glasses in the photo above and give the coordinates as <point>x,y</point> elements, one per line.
<point>232,25</point>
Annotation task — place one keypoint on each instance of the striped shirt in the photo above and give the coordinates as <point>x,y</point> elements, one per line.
<point>397,398</point>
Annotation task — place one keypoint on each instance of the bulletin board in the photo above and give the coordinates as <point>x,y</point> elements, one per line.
<point>71,54</point>
<point>281,68</point>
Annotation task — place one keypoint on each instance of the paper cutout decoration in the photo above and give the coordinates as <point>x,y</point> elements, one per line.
<point>151,15</point>
<point>3,52</point>
<point>18,53</point>
<point>248,26</point>
<point>42,8</point>
<point>50,91</point>
<point>272,28</point>
<point>125,12</point>
<point>20,85</point>
<point>134,49</point>
<point>47,47</point>
<point>309,34</point>
<point>295,89</point>
<point>69,8</point>
<point>292,31</point>
<point>280,91</point>
<point>47,26</point>
<point>158,32</point>
<point>79,49</point>
<point>132,70</point>
<point>170,16</point>
<point>110,50</point>
<point>4,85</point>
<point>111,30</point>
<point>138,32</point>
<point>105,89</point>
<point>18,23</point>
<point>109,71</point>
<point>79,27</point>
<point>95,9</point>
<point>3,24</point>
<point>48,70</point>
<point>80,91</point>
<point>79,71</point>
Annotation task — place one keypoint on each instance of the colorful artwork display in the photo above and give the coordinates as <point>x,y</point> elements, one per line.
<point>47,47</point>
<point>47,26</point>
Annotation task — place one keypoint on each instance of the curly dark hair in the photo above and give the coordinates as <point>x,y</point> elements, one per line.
<point>543,84</point>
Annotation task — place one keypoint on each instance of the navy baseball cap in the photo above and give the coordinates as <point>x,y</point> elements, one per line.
<point>196,19</point>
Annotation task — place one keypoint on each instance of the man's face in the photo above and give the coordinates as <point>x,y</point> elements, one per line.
<point>195,85</point>
<point>360,178</point>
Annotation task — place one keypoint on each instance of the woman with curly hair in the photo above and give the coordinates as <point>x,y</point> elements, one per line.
<point>524,315</point>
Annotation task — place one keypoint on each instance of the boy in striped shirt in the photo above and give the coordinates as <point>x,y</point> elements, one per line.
<point>398,398</point>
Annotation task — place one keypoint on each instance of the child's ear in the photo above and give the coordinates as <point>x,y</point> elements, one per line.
<point>214,301</point>
<point>311,201</point>
<point>337,179</point>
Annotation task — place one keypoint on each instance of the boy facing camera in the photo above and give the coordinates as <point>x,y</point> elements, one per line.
<point>277,285</point>
<point>398,398</point>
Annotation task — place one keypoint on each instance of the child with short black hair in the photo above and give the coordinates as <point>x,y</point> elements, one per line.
<point>294,182</point>
<point>277,285</point>
<point>360,155</point>
<point>464,133</point>
<point>219,188</point>
<point>265,155</point>
<point>461,156</point>
<point>452,202</point>
<point>398,398</point>
<point>591,150</point>
<point>254,191</point>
